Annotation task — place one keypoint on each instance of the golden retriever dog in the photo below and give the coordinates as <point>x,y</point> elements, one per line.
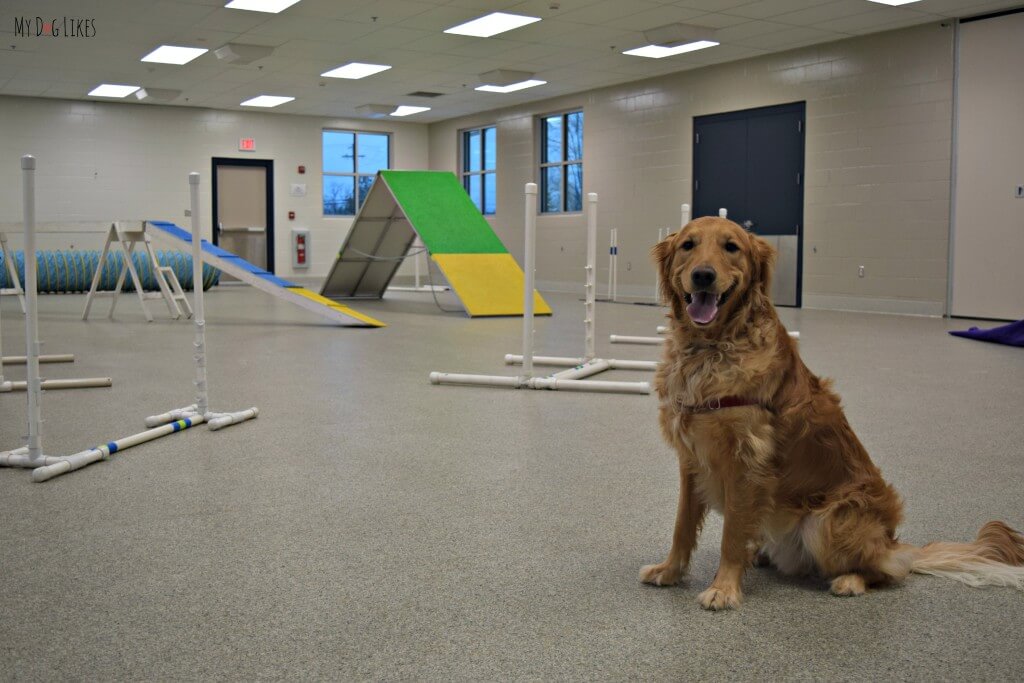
<point>764,441</point>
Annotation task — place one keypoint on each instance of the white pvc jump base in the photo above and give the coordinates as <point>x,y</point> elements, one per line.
<point>574,378</point>
<point>45,467</point>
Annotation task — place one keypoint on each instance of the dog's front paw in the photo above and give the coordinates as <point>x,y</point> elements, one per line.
<point>717,598</point>
<point>662,574</point>
<point>849,585</point>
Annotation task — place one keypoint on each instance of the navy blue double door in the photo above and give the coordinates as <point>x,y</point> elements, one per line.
<point>751,163</point>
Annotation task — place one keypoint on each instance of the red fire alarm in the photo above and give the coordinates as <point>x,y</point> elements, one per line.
<point>291,215</point>
<point>302,169</point>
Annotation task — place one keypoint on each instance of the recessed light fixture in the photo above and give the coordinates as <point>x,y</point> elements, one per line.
<point>406,110</point>
<point>522,85</point>
<point>267,101</point>
<point>894,3</point>
<point>355,70</point>
<point>271,6</point>
<point>491,24</point>
<point>174,54</point>
<point>660,51</point>
<point>110,90</point>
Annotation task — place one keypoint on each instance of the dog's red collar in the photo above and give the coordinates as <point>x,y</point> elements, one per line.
<point>718,404</point>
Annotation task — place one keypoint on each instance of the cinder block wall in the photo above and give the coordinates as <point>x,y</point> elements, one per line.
<point>879,119</point>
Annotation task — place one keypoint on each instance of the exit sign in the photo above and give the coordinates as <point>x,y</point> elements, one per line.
<point>247,144</point>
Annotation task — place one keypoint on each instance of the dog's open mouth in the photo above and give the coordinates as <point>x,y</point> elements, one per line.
<point>702,307</point>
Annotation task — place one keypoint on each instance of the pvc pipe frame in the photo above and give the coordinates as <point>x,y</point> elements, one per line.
<point>50,358</point>
<point>202,405</point>
<point>54,384</point>
<point>31,455</point>
<point>33,357</point>
<point>47,467</point>
<point>571,379</point>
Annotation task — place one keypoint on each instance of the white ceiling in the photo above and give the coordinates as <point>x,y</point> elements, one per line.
<point>576,47</point>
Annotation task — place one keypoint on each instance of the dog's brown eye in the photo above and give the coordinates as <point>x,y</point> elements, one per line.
<point>687,245</point>
<point>731,247</point>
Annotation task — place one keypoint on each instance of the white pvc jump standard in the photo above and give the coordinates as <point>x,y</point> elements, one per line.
<point>613,265</point>
<point>32,344</point>
<point>574,378</point>
<point>31,455</point>
<point>201,407</point>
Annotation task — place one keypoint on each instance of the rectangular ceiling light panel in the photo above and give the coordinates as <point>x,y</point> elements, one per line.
<point>174,54</point>
<point>406,110</point>
<point>491,24</point>
<point>271,6</point>
<point>355,70</point>
<point>660,51</point>
<point>110,90</point>
<point>522,85</point>
<point>266,101</point>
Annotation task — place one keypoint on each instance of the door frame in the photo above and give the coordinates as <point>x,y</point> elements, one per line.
<point>268,166</point>
<point>788,107</point>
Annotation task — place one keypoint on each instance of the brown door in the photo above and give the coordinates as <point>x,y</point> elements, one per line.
<point>242,212</point>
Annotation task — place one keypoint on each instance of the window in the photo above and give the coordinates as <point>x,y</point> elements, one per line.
<point>561,167</point>
<point>479,159</point>
<point>351,161</point>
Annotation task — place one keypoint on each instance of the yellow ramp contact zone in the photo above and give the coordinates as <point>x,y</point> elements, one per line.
<point>313,296</point>
<point>488,284</point>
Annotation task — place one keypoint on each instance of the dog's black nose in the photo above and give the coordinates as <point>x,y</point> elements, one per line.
<point>703,277</point>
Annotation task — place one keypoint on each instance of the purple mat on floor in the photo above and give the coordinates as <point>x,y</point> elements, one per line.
<point>1012,334</point>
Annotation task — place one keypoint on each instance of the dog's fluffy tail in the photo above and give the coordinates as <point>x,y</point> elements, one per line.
<point>996,558</point>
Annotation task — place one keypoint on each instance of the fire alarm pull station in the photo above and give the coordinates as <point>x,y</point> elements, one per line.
<point>300,248</point>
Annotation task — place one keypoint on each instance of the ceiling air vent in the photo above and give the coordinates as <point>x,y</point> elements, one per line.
<point>424,93</point>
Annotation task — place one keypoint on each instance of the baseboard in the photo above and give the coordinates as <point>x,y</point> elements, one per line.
<point>864,304</point>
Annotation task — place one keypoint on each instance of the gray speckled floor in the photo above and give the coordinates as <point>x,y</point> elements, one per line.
<point>372,526</point>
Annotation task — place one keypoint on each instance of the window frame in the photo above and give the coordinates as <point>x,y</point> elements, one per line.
<point>465,173</point>
<point>355,174</point>
<point>564,163</point>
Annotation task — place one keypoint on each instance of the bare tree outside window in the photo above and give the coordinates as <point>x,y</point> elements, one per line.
<point>561,170</point>
<point>479,161</point>
<point>350,163</point>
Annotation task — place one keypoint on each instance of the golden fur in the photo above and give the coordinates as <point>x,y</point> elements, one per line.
<point>794,484</point>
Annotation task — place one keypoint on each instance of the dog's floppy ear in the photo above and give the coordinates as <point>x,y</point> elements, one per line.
<point>763,255</point>
<point>662,254</point>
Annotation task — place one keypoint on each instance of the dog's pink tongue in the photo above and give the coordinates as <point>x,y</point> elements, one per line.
<point>703,307</point>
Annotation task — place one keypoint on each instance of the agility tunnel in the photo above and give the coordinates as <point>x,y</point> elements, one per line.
<point>433,205</point>
<point>71,271</point>
<point>263,280</point>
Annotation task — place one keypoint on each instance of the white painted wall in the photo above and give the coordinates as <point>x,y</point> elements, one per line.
<point>879,120</point>
<point>105,161</point>
<point>988,243</point>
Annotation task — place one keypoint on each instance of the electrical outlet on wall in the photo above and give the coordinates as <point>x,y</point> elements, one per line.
<point>860,271</point>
